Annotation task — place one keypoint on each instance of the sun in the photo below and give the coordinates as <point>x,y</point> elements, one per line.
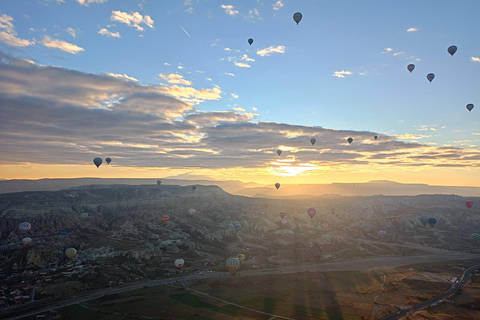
<point>290,167</point>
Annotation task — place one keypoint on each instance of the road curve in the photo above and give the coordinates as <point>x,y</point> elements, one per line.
<point>462,282</point>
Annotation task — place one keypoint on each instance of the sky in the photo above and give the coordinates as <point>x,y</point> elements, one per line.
<point>173,87</point>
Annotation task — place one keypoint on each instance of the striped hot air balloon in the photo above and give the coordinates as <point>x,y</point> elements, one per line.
<point>165,218</point>
<point>475,236</point>
<point>232,265</point>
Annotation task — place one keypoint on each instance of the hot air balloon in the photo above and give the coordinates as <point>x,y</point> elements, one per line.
<point>297,16</point>
<point>375,137</point>
<point>192,212</point>
<point>277,185</point>
<point>470,106</point>
<point>475,236</point>
<point>432,222</point>
<point>241,257</point>
<point>108,160</point>
<point>430,77</point>
<point>24,227</point>
<point>165,218</point>
<point>4,248</point>
<point>84,215</point>
<point>332,211</point>
<point>311,212</point>
<point>279,152</point>
<point>295,213</point>
<point>266,205</point>
<point>452,50</point>
<point>395,222</point>
<point>350,140</point>
<point>382,233</point>
<point>410,67</point>
<point>63,234</point>
<point>154,238</point>
<point>70,253</point>
<point>27,241</point>
<point>237,226</point>
<point>97,161</point>
<point>232,265</point>
<point>194,187</point>
<point>366,228</point>
<point>284,221</point>
<point>179,263</point>
<point>448,224</point>
<point>250,41</point>
<point>159,182</point>
<point>424,219</point>
<point>469,204</point>
<point>282,214</point>
<point>312,141</point>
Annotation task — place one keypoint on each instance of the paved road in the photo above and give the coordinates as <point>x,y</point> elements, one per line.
<point>462,282</point>
<point>348,265</point>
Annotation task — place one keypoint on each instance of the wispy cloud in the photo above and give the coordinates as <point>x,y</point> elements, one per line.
<point>9,35</point>
<point>50,42</point>
<point>230,74</point>
<point>272,49</point>
<point>341,74</point>
<point>242,65</point>
<point>227,49</point>
<point>475,59</point>
<point>105,32</point>
<point>122,76</point>
<point>253,14</point>
<point>239,109</point>
<point>72,32</point>
<point>246,58</point>
<point>387,50</point>
<point>132,19</point>
<point>235,96</point>
<point>166,64</point>
<point>185,31</point>
<point>278,5</point>
<point>175,78</point>
<point>412,29</point>
<point>399,53</point>
<point>229,10</point>
<point>87,2</point>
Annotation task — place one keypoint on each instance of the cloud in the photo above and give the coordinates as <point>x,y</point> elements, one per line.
<point>399,53</point>
<point>72,32</point>
<point>105,32</point>
<point>268,51</point>
<point>253,14</point>
<point>242,65</point>
<point>475,59</point>
<point>387,50</point>
<point>122,76</point>
<point>61,45</point>
<point>246,58</point>
<point>189,10</point>
<point>167,64</point>
<point>132,19</point>
<point>341,74</point>
<point>230,74</point>
<point>277,5</point>
<point>87,2</point>
<point>227,49</point>
<point>229,10</point>
<point>412,29</point>
<point>254,108</point>
<point>9,35</point>
<point>175,78</point>
<point>235,96</point>
<point>180,67</point>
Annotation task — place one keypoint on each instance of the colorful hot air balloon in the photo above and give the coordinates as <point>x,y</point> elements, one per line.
<point>282,214</point>
<point>284,221</point>
<point>179,263</point>
<point>241,257</point>
<point>424,219</point>
<point>70,253</point>
<point>475,236</point>
<point>63,234</point>
<point>382,233</point>
<point>250,41</point>
<point>154,238</point>
<point>395,222</point>
<point>350,140</point>
<point>452,50</point>
<point>312,141</point>
<point>297,16</point>
<point>279,152</point>
<point>375,137</point>
<point>165,218</point>
<point>27,241</point>
<point>232,265</point>
<point>295,213</point>
<point>332,211</point>
<point>410,67</point>
<point>84,215</point>
<point>277,185</point>
<point>366,228</point>
<point>97,161</point>
<point>430,77</point>
<point>469,204</point>
<point>311,212</point>
<point>470,106</point>
<point>159,182</point>
<point>432,222</point>
<point>192,212</point>
<point>4,248</point>
<point>108,160</point>
<point>24,227</point>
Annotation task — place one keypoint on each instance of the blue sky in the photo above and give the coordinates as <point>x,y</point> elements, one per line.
<point>342,68</point>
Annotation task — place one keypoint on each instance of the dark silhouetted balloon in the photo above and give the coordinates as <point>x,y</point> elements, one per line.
<point>277,185</point>
<point>432,222</point>
<point>297,16</point>
<point>375,137</point>
<point>159,182</point>
<point>279,152</point>
<point>470,106</point>
<point>194,187</point>
<point>97,161</point>
<point>250,41</point>
<point>452,50</point>
<point>108,160</point>
<point>350,140</point>
<point>312,141</point>
<point>430,77</point>
<point>411,67</point>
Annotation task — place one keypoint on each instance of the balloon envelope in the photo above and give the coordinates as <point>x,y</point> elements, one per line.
<point>97,161</point>
<point>84,215</point>
<point>432,222</point>
<point>382,233</point>
<point>375,137</point>
<point>279,152</point>
<point>350,140</point>
<point>27,241</point>
<point>297,16</point>
<point>284,221</point>
<point>63,234</point>
<point>241,257</point>
<point>159,182</point>
<point>311,212</point>
<point>192,212</point>
<point>282,214</point>
<point>312,141</point>
<point>165,218</point>
<point>108,160</point>
<point>366,228</point>
<point>232,265</point>
<point>237,226</point>
<point>430,77</point>
<point>410,67</point>
<point>277,185</point>
<point>4,248</point>
<point>475,236</point>
<point>194,187</point>
<point>424,219</point>
<point>470,106</point>
<point>179,263</point>
<point>469,204</point>
<point>395,222</point>
<point>70,252</point>
<point>250,41</point>
<point>24,227</point>
<point>295,213</point>
<point>452,50</point>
